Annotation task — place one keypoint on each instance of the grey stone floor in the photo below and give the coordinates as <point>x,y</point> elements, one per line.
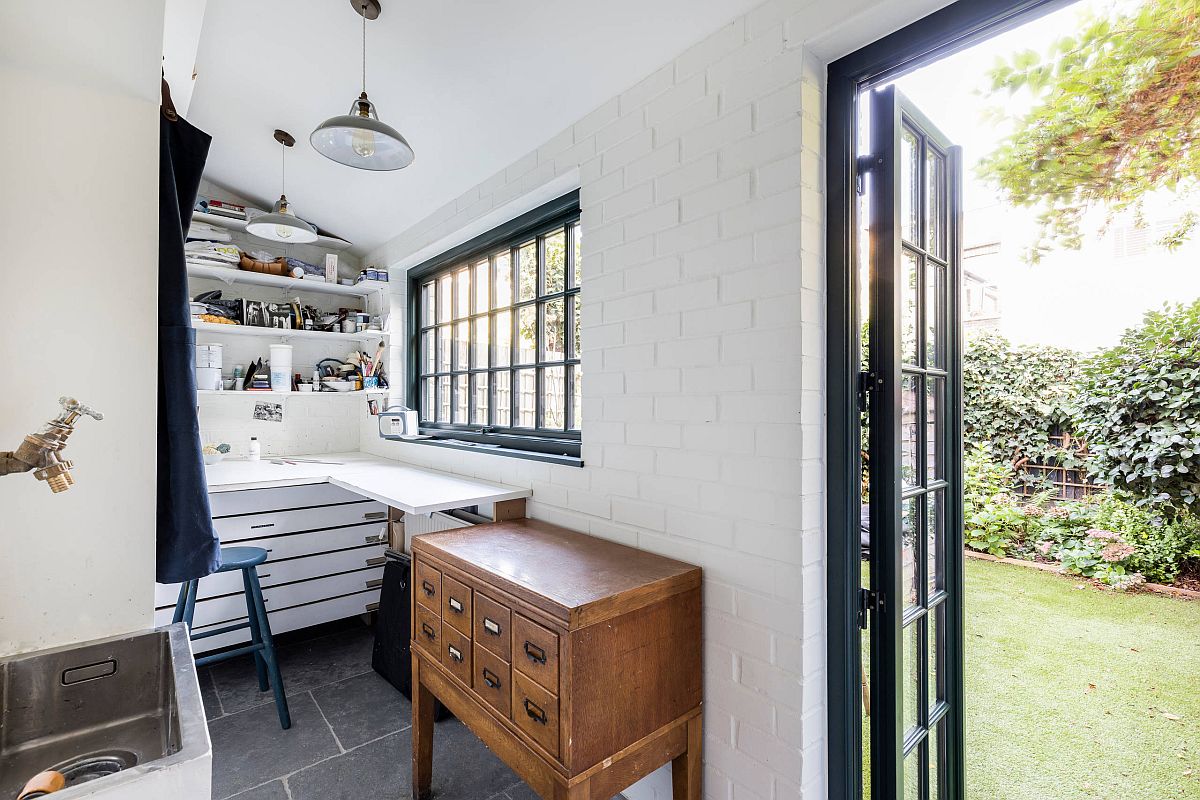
<point>350,735</point>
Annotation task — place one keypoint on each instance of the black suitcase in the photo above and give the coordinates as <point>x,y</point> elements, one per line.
<point>391,656</point>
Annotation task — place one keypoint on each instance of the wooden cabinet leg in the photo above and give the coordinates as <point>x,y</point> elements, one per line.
<point>422,735</point>
<point>686,769</point>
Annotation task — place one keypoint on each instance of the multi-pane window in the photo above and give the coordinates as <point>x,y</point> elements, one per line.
<point>497,339</point>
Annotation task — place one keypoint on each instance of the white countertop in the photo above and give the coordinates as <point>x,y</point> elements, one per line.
<point>410,489</point>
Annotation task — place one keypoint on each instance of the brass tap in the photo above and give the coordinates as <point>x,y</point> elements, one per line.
<point>41,452</point>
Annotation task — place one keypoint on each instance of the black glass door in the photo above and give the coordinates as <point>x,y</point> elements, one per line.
<point>913,209</point>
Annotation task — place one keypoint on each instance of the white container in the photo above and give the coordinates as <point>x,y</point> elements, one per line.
<point>254,450</point>
<point>208,355</point>
<point>281,367</point>
<point>208,379</point>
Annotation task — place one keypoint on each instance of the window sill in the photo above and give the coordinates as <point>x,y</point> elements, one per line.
<point>508,452</point>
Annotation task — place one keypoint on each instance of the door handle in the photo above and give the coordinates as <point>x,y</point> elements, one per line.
<point>428,588</point>
<point>380,539</point>
<point>455,653</point>
<point>491,678</point>
<point>374,583</point>
<point>455,605</point>
<point>535,713</point>
<point>491,626</point>
<point>535,653</point>
<point>371,606</point>
<point>264,525</point>
<point>377,561</point>
<point>428,630</point>
<point>375,515</point>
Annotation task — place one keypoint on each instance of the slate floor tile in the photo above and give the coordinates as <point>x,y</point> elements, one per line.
<point>363,708</point>
<point>208,695</point>
<point>268,791</point>
<point>249,747</point>
<point>304,666</point>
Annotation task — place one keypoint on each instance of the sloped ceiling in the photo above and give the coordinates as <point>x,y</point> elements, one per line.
<point>472,84</point>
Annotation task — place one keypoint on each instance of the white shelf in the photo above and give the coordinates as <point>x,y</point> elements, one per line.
<point>329,242</point>
<point>282,333</point>
<point>231,393</point>
<point>232,275</point>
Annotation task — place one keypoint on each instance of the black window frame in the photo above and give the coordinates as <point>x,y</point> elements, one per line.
<point>538,443</point>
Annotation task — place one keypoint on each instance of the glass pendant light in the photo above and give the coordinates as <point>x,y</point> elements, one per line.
<point>282,224</point>
<point>358,139</point>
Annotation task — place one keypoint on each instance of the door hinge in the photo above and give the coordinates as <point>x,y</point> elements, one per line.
<point>867,382</point>
<point>865,163</point>
<point>868,601</point>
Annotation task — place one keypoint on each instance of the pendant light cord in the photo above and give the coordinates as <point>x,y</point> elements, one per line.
<point>282,168</point>
<point>364,48</point>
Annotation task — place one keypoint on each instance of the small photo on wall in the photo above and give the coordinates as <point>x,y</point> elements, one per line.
<point>268,412</point>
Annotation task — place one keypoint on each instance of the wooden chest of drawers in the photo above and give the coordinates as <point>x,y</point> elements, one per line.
<point>577,660</point>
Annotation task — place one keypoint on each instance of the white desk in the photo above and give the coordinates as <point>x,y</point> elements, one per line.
<point>411,489</point>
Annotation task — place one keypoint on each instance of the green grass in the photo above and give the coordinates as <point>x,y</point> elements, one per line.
<point>1067,687</point>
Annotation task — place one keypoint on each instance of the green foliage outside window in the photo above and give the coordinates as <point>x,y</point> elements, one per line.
<point>1116,116</point>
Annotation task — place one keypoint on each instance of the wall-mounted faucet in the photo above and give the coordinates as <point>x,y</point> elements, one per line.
<point>41,452</point>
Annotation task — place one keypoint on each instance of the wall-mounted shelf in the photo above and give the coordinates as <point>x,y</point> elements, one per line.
<point>231,276</point>
<point>328,242</point>
<point>230,394</point>
<point>283,333</point>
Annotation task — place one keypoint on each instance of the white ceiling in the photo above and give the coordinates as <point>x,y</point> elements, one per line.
<point>472,84</point>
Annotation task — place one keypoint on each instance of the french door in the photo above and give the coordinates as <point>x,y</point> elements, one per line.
<point>913,385</point>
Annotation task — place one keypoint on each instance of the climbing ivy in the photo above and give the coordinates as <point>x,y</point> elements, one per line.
<point>1139,406</point>
<point>1015,397</point>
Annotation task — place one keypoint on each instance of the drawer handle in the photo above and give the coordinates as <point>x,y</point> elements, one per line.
<point>491,678</point>
<point>491,626</point>
<point>375,515</point>
<point>455,653</point>
<point>535,653</point>
<point>375,562</point>
<point>455,606</point>
<point>264,525</point>
<point>371,606</point>
<point>380,539</point>
<point>374,583</point>
<point>427,587</point>
<point>428,630</point>
<point>535,713</point>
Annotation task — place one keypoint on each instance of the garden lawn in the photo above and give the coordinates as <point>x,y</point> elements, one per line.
<point>1078,693</point>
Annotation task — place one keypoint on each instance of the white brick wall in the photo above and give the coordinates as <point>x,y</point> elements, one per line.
<point>702,353</point>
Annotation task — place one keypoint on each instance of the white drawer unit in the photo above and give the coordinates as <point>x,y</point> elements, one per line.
<point>256,501</point>
<point>279,571</point>
<point>324,559</point>
<point>236,530</point>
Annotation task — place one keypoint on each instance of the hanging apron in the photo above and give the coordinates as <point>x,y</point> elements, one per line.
<point>187,545</point>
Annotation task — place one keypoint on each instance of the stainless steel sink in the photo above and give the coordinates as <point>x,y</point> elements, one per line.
<point>105,713</point>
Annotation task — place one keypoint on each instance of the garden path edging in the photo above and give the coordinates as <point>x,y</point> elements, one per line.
<point>1174,591</point>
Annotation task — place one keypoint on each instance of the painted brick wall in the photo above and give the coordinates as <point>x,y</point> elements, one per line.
<point>702,355</point>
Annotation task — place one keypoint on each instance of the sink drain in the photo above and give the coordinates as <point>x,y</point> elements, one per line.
<point>95,765</point>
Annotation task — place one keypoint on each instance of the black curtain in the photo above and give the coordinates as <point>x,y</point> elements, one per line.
<point>187,544</point>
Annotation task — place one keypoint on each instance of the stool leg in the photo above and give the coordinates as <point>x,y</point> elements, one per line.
<point>181,602</point>
<point>268,651</point>
<point>189,607</point>
<point>260,664</point>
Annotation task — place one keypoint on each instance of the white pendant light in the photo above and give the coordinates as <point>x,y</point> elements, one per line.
<point>358,139</point>
<point>282,224</point>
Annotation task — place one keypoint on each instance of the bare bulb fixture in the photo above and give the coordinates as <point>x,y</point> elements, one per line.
<point>358,139</point>
<point>282,224</point>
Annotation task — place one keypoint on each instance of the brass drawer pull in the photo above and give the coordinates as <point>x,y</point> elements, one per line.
<point>455,653</point>
<point>372,606</point>
<point>535,653</point>
<point>375,515</point>
<point>374,583</point>
<point>455,606</point>
<point>427,587</point>
<point>428,630</point>
<point>491,627</point>
<point>379,539</point>
<point>491,678</point>
<point>376,561</point>
<point>535,713</point>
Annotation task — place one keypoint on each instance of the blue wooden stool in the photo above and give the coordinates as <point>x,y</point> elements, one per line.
<point>247,560</point>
